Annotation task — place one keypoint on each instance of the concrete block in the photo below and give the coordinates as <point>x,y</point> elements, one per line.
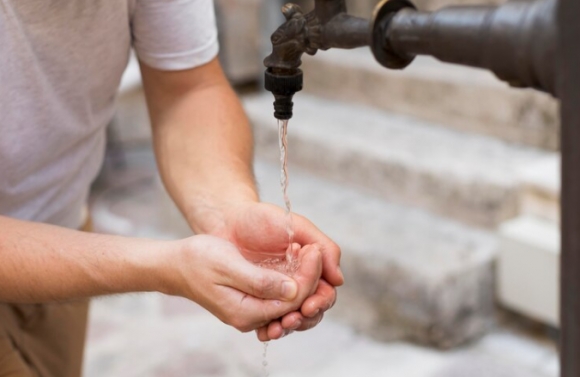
<point>528,272</point>
<point>461,98</point>
<point>467,177</point>
<point>540,185</point>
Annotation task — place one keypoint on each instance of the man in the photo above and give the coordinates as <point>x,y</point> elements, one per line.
<point>61,62</point>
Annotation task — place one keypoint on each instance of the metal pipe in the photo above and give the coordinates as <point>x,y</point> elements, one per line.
<point>528,44</point>
<point>347,32</point>
<point>569,73</point>
<point>516,41</point>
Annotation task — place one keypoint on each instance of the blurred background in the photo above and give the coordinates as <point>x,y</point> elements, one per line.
<point>440,183</point>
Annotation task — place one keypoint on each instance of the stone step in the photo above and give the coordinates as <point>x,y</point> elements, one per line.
<point>463,176</point>
<point>463,98</point>
<point>409,274</point>
<point>151,335</point>
<point>528,267</point>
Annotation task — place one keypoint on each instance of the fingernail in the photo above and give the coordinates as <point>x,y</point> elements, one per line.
<point>341,273</point>
<point>315,313</point>
<point>289,290</point>
<point>296,325</point>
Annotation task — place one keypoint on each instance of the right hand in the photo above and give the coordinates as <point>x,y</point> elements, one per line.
<point>259,231</point>
<point>212,272</point>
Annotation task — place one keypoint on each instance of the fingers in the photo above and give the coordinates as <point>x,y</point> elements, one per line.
<point>307,233</point>
<point>275,331</point>
<point>272,331</point>
<point>262,334</point>
<point>311,314</point>
<point>308,274</point>
<point>260,282</point>
<point>307,323</point>
<point>290,323</point>
<point>312,309</point>
<point>264,311</point>
<point>323,299</point>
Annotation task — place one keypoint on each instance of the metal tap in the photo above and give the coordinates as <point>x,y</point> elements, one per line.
<point>517,41</point>
<point>327,26</point>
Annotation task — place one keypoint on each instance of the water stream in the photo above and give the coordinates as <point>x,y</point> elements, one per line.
<point>265,371</point>
<point>289,264</point>
<point>283,140</point>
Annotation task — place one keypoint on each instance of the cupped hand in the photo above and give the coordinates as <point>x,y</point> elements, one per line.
<point>212,272</point>
<point>259,230</point>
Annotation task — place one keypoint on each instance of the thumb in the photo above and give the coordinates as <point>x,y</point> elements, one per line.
<point>260,282</point>
<point>309,271</point>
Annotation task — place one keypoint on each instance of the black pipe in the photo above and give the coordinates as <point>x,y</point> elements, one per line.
<point>569,73</point>
<point>346,32</point>
<point>516,41</point>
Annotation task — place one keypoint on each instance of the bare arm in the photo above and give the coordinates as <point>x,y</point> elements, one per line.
<point>203,142</point>
<point>41,263</point>
<point>44,263</point>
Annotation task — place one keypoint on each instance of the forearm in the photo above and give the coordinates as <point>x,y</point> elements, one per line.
<point>203,143</point>
<point>44,263</point>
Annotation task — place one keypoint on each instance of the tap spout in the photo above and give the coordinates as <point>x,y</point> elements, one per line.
<point>327,26</point>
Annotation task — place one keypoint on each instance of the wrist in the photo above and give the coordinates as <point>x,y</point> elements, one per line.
<point>150,263</point>
<point>209,213</point>
<point>178,267</point>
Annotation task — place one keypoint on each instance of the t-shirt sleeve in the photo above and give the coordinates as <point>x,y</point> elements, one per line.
<point>174,34</point>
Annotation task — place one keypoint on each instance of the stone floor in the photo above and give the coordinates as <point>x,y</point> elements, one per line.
<point>151,335</point>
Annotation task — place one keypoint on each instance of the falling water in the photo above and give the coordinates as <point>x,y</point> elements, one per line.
<point>289,264</point>
<point>265,371</point>
<point>283,140</point>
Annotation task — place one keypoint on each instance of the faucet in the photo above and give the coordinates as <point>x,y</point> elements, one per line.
<point>327,26</point>
<point>517,41</point>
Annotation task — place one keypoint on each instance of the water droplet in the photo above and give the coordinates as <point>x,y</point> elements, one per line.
<point>265,360</point>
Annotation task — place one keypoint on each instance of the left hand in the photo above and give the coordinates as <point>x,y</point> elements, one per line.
<point>259,231</point>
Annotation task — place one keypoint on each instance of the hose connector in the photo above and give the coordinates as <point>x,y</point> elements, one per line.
<point>283,84</point>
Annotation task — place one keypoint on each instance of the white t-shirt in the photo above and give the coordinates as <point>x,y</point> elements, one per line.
<point>61,63</point>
